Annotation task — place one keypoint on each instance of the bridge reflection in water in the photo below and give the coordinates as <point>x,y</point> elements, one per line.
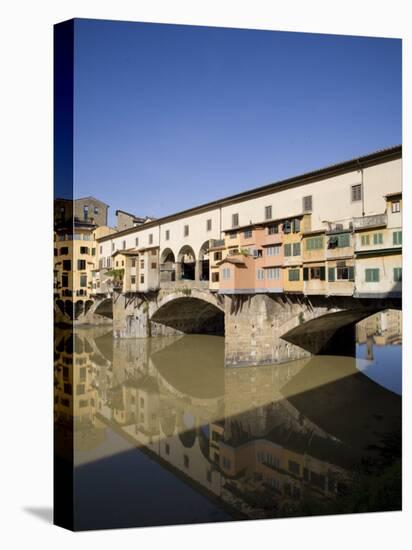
<point>164,434</point>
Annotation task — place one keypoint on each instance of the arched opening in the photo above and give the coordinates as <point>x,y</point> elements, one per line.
<point>167,266</point>
<point>204,262</point>
<point>191,316</point>
<point>186,260</point>
<point>105,308</point>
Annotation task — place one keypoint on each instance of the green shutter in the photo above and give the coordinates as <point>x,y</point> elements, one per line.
<point>322,273</point>
<point>351,273</point>
<point>288,249</point>
<point>306,274</point>
<point>331,274</point>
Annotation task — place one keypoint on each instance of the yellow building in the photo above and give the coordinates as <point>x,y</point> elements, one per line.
<point>292,253</point>
<point>74,263</point>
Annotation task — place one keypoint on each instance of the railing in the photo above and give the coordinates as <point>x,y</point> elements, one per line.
<point>167,266</point>
<point>214,243</point>
<point>376,220</point>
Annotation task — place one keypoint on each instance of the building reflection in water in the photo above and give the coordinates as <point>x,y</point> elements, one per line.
<point>307,437</point>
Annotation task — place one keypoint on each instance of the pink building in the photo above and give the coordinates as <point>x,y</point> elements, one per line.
<point>256,265</point>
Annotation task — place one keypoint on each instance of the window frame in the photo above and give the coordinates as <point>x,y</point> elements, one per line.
<point>304,206</point>
<point>354,188</point>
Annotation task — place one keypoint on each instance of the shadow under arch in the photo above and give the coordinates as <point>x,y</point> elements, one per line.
<point>191,315</point>
<point>105,308</point>
<point>331,333</point>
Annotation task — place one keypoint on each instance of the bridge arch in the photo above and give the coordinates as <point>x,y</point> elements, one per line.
<point>194,312</point>
<point>329,333</point>
<point>105,308</point>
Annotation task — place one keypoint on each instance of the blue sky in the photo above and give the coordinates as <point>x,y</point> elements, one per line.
<point>170,116</point>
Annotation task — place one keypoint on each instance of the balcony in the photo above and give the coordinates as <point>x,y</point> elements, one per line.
<point>366,222</point>
<point>216,243</point>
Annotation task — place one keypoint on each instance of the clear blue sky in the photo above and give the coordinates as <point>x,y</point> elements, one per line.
<point>170,116</point>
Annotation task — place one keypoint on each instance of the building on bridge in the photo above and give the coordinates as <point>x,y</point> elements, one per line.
<point>334,231</point>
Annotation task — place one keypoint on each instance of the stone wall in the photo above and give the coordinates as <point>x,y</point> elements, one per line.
<point>254,326</point>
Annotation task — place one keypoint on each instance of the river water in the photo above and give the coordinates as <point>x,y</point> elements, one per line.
<point>165,434</point>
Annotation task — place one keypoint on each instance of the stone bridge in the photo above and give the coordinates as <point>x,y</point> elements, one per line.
<point>258,329</point>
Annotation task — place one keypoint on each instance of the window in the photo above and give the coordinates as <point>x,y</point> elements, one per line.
<point>84,250</point>
<point>96,210</point>
<point>112,247</point>
<point>186,461</point>
<point>294,467</point>
<point>356,192</point>
<point>307,203</point>
<point>124,245</point>
<point>141,264</point>
<point>133,262</point>
<point>81,264</point>
<point>273,273</point>
<point>101,249</point>
<point>293,275</point>
<point>85,212</point>
<point>215,277</point>
<point>397,274</point>
<point>296,225</point>
<point>136,242</point>
<point>67,265</point>
<point>331,274</point>
<point>217,256</point>
<point>247,234</point>
<point>343,240</point>
<point>65,281</point>
<point>64,250</point>
<point>153,253</point>
<point>273,229</point>
<point>273,250</point>
<point>344,273</point>
<point>167,448</point>
<point>260,274</point>
<point>396,206</point>
<point>288,249</point>
<point>377,238</point>
<point>397,237</point>
<point>365,240</point>
<point>315,272</point>
<point>235,220</point>
<point>226,273</point>
<point>153,265</point>
<point>150,238</point>
<point>296,249</point>
<point>186,231</point>
<point>314,243</point>
<point>133,279</point>
<point>233,235</point>
<point>372,275</point>
<point>208,225</point>
<point>80,389</point>
<point>142,279</point>
<point>268,212</point>
<point>67,388</point>
<point>167,234</point>
<point>83,281</point>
